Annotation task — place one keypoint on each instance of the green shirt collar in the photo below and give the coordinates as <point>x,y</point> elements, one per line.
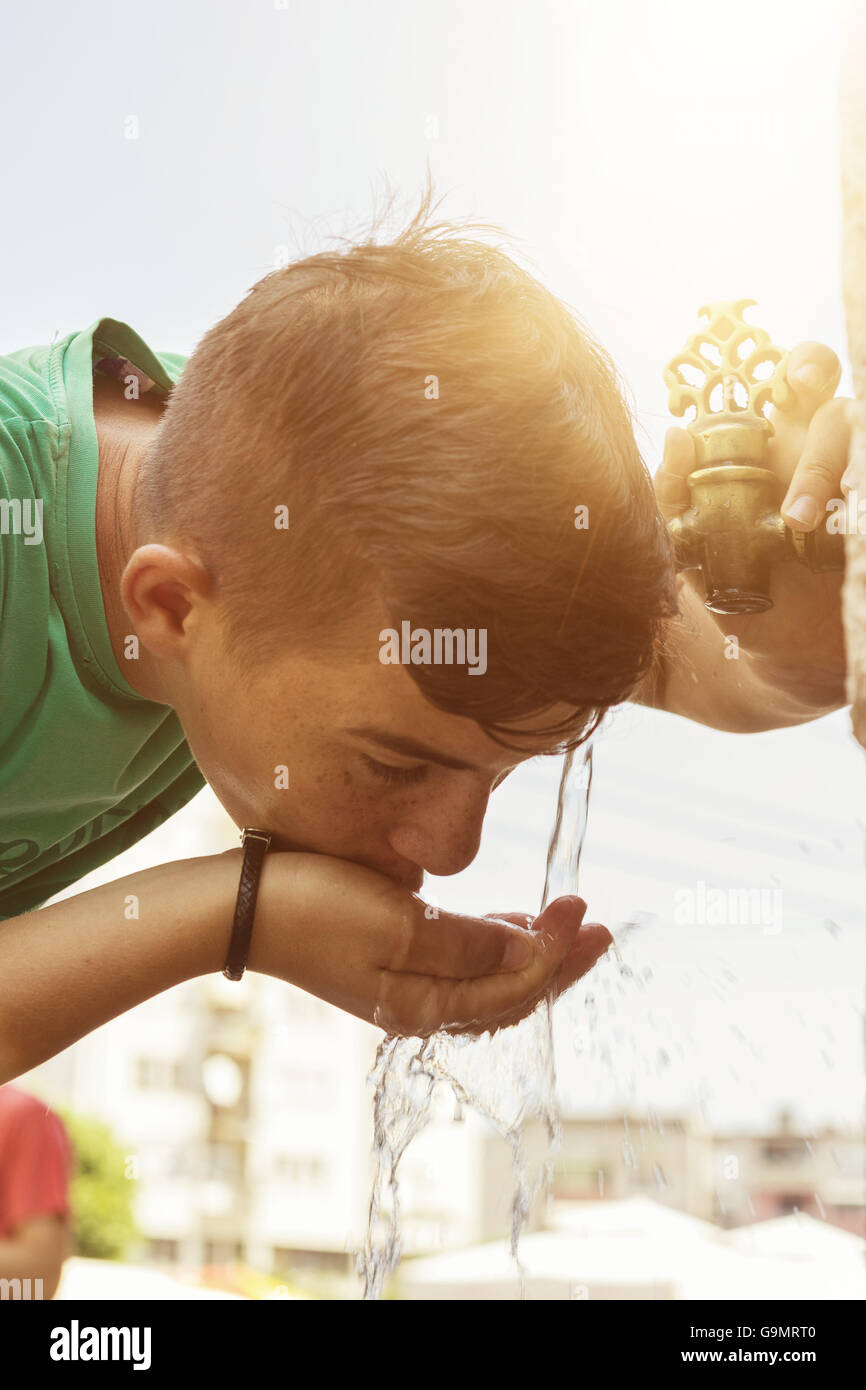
<point>122,354</point>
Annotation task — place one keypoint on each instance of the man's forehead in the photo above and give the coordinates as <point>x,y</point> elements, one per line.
<point>384,697</point>
<point>411,718</point>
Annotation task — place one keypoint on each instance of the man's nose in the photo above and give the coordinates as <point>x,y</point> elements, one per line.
<point>442,839</point>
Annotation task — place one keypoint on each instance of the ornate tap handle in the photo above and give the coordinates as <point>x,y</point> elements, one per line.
<point>728,372</point>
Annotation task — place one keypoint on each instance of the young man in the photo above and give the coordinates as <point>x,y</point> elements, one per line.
<point>244,577</point>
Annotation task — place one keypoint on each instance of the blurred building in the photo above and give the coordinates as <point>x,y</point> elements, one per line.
<point>637,1248</point>
<point>247,1117</point>
<point>247,1120</point>
<point>788,1171</point>
<point>242,1110</point>
<point>728,1178</point>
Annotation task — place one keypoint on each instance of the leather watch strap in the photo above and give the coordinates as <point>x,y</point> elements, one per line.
<point>256,843</point>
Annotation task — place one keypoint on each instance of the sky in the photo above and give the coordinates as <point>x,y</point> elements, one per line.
<point>644,160</point>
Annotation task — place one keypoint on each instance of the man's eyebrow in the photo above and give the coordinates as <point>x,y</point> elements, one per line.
<point>411,748</point>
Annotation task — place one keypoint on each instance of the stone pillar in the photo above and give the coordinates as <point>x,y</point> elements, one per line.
<point>853,164</point>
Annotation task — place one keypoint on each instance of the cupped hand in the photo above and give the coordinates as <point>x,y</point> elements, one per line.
<point>360,941</point>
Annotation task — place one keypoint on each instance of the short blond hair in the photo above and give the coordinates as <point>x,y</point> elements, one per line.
<point>431,415</point>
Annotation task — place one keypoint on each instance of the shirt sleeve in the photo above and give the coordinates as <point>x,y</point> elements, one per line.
<point>36,1168</point>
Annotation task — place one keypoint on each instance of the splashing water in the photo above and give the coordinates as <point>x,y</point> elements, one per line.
<point>508,1077</point>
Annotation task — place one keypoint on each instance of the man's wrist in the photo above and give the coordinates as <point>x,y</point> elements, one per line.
<point>207,905</point>
<point>288,895</point>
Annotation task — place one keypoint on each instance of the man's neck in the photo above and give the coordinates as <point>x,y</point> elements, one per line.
<point>123,430</point>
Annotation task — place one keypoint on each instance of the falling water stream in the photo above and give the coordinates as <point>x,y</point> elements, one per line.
<point>508,1077</point>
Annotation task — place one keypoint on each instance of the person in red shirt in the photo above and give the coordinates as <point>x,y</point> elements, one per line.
<point>35,1169</point>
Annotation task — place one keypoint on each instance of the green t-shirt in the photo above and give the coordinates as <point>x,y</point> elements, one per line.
<point>87,766</point>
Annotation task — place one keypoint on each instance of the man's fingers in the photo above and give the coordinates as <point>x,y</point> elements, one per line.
<point>593,940</point>
<point>670,485</point>
<point>417,1003</point>
<point>818,475</point>
<point>591,943</point>
<point>447,944</point>
<point>455,947</point>
<point>814,372</point>
<point>517,919</point>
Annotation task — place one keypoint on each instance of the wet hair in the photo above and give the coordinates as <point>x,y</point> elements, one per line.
<point>433,418</point>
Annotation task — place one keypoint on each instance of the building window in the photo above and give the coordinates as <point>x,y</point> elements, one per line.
<point>158,1074</point>
<point>225,1161</point>
<point>163,1251</point>
<point>302,1170</point>
<point>223,1252</point>
<point>783,1151</point>
<point>789,1202</point>
<point>287,1262</point>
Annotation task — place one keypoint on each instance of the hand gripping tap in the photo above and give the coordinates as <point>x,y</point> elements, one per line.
<point>729,371</point>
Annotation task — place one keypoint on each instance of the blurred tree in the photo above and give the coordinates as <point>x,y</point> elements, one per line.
<point>101,1193</point>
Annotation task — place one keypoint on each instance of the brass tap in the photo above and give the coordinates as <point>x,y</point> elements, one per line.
<point>729,371</point>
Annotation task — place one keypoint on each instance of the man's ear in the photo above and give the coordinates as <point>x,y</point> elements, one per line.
<point>163,589</point>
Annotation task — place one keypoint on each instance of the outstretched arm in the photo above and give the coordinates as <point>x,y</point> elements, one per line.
<point>334,928</point>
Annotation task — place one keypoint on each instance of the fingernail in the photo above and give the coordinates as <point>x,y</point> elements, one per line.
<point>811,377</point>
<point>804,509</point>
<point>847,483</point>
<point>518,953</point>
<point>604,941</point>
